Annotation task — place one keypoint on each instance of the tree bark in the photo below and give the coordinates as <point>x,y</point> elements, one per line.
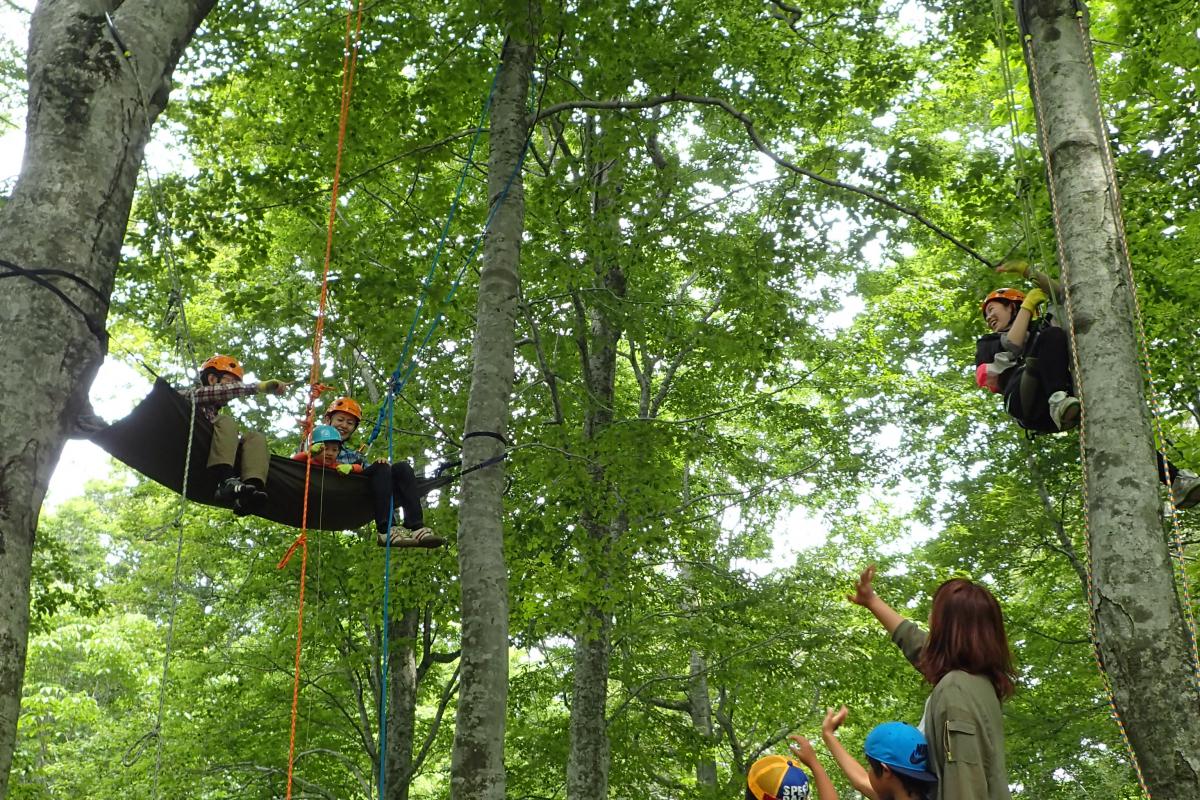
<point>1140,627</point>
<point>402,705</point>
<point>477,763</point>
<point>589,758</point>
<point>700,709</point>
<point>85,132</point>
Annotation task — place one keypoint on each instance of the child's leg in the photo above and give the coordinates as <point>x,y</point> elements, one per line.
<point>404,490</point>
<point>256,459</point>
<point>381,494</point>
<point>1037,417</point>
<point>223,450</point>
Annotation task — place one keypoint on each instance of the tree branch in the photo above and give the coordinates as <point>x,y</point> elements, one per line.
<point>760,146</point>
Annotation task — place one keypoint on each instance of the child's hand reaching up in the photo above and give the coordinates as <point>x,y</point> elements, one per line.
<point>802,749</point>
<point>833,720</point>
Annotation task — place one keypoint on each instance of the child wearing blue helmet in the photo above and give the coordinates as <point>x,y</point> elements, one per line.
<point>326,446</point>
<point>897,756</point>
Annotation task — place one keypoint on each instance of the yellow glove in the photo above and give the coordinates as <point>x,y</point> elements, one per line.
<point>273,386</point>
<point>345,469</point>
<point>1032,300</point>
<point>1016,266</point>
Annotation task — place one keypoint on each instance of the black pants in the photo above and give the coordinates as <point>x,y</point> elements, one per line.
<point>1052,373</point>
<point>395,482</point>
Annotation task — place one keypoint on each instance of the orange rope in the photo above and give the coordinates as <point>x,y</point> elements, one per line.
<point>349,63</point>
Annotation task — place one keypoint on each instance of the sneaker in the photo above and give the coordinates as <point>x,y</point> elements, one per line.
<point>1185,490</point>
<point>250,500</point>
<point>246,498</point>
<point>1064,410</point>
<point>421,537</point>
<point>228,490</point>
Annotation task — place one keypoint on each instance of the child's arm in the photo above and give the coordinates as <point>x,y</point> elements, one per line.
<point>221,393</point>
<point>854,771</point>
<point>802,749</point>
<point>1020,327</point>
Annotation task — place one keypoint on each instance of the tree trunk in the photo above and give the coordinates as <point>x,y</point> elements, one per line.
<point>401,705</point>
<point>1142,636</point>
<point>477,764</point>
<point>85,132</point>
<point>700,705</point>
<point>589,759</point>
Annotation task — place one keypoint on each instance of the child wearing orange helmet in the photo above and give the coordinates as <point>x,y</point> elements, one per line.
<point>1017,342</point>
<point>391,485</point>
<point>220,381</point>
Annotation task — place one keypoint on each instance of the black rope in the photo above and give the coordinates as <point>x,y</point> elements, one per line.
<point>38,277</point>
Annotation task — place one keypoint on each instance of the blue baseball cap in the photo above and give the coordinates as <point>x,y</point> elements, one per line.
<point>776,778</point>
<point>901,747</point>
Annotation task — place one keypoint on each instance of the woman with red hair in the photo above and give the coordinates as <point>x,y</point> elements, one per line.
<point>965,657</point>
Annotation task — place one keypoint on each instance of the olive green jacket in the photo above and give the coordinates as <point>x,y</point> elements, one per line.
<point>964,727</point>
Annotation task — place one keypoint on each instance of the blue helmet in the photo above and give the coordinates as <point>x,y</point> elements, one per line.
<point>325,433</point>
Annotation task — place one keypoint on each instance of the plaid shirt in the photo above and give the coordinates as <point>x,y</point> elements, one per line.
<point>349,456</point>
<point>210,400</point>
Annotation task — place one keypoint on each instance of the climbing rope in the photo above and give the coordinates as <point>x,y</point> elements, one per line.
<point>1022,186</point>
<point>407,365</point>
<point>401,373</point>
<point>350,48</point>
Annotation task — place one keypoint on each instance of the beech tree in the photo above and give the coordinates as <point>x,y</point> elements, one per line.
<point>1142,635</point>
<point>91,104</point>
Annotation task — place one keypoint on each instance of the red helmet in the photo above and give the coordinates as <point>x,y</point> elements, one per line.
<point>1008,295</point>
<point>224,364</point>
<point>346,405</point>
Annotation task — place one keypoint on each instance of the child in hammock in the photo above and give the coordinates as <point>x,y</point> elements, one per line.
<point>221,381</point>
<point>1027,362</point>
<point>326,447</point>
<point>392,485</point>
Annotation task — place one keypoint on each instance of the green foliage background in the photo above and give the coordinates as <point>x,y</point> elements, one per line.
<point>810,351</point>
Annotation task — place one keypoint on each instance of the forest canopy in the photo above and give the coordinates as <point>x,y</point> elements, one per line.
<point>734,386</point>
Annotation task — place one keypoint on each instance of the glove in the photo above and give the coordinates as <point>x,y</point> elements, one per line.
<point>272,386</point>
<point>1017,266</point>
<point>316,449</point>
<point>345,469</point>
<point>1034,299</point>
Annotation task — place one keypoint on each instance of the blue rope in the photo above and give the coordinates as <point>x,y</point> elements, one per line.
<point>397,382</point>
<point>395,385</point>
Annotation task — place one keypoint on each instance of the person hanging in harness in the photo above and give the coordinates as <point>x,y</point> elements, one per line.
<point>1027,361</point>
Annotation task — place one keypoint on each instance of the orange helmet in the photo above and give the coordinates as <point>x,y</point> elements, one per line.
<point>224,364</point>
<point>346,405</point>
<point>1009,295</point>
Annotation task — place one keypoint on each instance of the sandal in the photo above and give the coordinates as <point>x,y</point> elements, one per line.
<point>400,537</point>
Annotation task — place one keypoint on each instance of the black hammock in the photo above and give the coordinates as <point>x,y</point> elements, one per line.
<point>153,441</point>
